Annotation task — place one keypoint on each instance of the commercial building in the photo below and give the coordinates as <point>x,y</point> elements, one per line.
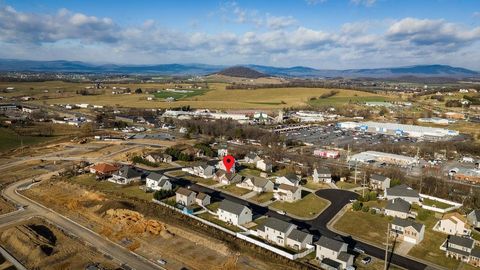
<point>374,156</point>
<point>395,129</point>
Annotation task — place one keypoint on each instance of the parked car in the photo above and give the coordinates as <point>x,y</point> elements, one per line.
<point>161,262</point>
<point>359,250</point>
<point>281,212</point>
<point>367,260</point>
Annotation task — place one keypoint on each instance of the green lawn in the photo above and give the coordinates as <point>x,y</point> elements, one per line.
<point>10,140</point>
<point>213,219</point>
<point>315,186</point>
<point>235,190</point>
<point>213,206</point>
<point>250,172</point>
<point>437,204</point>
<point>132,191</point>
<point>262,197</point>
<point>308,207</point>
<point>192,92</point>
<point>346,185</point>
<point>207,182</point>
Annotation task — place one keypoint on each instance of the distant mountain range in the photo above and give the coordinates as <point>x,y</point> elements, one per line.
<point>203,69</point>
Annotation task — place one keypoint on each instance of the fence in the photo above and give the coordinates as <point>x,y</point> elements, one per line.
<point>278,251</point>
<point>454,205</point>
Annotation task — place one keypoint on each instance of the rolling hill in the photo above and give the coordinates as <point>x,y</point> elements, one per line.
<point>253,71</point>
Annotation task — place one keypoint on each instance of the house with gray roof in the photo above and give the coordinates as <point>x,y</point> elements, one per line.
<point>125,175</point>
<point>257,184</point>
<point>284,234</point>
<point>289,179</point>
<point>202,199</point>
<point>380,182</point>
<point>287,193</point>
<point>397,208</point>
<point>462,248</point>
<point>234,213</point>
<point>252,158</point>
<point>322,175</point>
<point>227,178</point>
<point>185,196</point>
<point>407,230</point>
<point>473,218</point>
<point>404,192</point>
<point>329,249</point>
<point>156,181</point>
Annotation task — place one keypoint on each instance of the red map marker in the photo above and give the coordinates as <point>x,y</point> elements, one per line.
<point>228,161</point>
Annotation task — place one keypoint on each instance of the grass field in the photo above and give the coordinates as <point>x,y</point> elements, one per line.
<point>262,197</point>
<point>437,204</point>
<point>346,185</point>
<point>235,190</point>
<point>132,191</point>
<point>10,140</point>
<point>308,207</point>
<point>217,97</point>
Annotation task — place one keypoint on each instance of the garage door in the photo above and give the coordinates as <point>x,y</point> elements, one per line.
<point>410,240</point>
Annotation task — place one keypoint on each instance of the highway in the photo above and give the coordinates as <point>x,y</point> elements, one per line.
<point>120,254</point>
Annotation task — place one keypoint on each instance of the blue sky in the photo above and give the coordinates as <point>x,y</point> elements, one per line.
<point>337,34</point>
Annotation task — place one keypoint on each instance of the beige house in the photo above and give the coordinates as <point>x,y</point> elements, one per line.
<point>407,230</point>
<point>264,165</point>
<point>451,225</point>
<point>287,193</point>
<point>283,233</point>
<point>397,208</point>
<point>332,254</point>
<point>202,199</point>
<point>257,184</point>
<point>185,196</point>
<point>380,182</point>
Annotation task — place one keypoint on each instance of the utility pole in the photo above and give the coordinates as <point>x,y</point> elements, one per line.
<point>355,173</point>
<point>363,189</point>
<point>386,247</point>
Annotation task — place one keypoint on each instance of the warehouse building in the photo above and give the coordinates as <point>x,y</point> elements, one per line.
<point>395,129</point>
<point>392,159</point>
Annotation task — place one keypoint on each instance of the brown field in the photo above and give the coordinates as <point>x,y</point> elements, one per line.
<point>217,97</point>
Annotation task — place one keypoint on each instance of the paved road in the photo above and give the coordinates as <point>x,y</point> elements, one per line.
<point>317,226</point>
<point>120,254</point>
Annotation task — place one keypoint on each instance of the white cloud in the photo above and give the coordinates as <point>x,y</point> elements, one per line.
<point>315,2</point>
<point>277,22</point>
<point>367,3</point>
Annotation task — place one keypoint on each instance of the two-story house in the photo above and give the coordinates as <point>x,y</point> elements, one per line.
<point>451,225</point>
<point>257,184</point>
<point>322,175</point>
<point>234,213</point>
<point>379,182</point>
<point>252,158</point>
<point>283,233</point>
<point>125,175</point>
<point>473,218</point>
<point>227,178</point>
<point>397,208</point>
<point>332,254</point>
<point>407,230</point>
<point>156,181</point>
<point>289,179</point>
<point>185,197</point>
<point>202,199</point>
<point>287,193</point>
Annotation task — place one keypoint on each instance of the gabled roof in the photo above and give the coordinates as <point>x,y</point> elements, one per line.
<point>344,256</point>
<point>288,188</point>
<point>461,241</point>
<point>323,170</point>
<point>476,213</point>
<point>292,178</point>
<point>402,191</point>
<point>157,177</point>
<point>231,207</point>
<point>330,243</point>
<point>128,172</point>
<point>399,205</point>
<point>202,196</point>
<point>378,177</point>
<point>184,191</point>
<point>407,223</point>
<point>252,156</point>
<point>277,225</point>
<point>476,252</point>
<point>259,182</point>
<point>298,235</point>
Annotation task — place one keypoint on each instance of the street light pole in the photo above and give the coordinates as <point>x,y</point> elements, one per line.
<point>386,247</point>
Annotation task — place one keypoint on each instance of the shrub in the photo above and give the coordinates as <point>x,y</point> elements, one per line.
<point>357,206</point>
<point>365,209</point>
<point>162,194</point>
<point>372,211</point>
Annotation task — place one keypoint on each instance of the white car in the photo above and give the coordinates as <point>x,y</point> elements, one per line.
<point>161,262</point>
<point>281,212</point>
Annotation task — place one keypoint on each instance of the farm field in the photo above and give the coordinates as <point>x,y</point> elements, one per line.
<point>10,140</point>
<point>217,97</point>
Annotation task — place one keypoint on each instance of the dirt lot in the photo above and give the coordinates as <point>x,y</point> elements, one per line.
<point>40,245</point>
<point>5,207</point>
<point>119,220</point>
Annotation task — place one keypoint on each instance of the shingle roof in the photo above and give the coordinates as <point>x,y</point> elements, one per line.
<point>477,214</point>
<point>231,207</point>
<point>184,191</point>
<point>156,176</point>
<point>403,191</point>
<point>330,243</point>
<point>104,168</point>
<point>277,224</point>
<point>476,252</point>
<point>332,263</point>
<point>378,177</point>
<point>323,170</point>
<point>128,172</point>
<point>407,223</point>
<point>259,182</point>
<point>398,204</point>
<point>461,241</point>
<point>202,196</point>
<point>288,187</point>
<point>298,235</point>
<point>344,256</point>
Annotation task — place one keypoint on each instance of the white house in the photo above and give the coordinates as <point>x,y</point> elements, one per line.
<point>221,166</point>
<point>257,184</point>
<point>264,165</point>
<point>378,181</point>
<point>407,230</point>
<point>227,178</point>
<point>290,179</point>
<point>402,191</point>
<point>252,158</point>
<point>332,254</point>
<point>234,213</point>
<point>185,196</point>
<point>157,181</point>
<point>322,175</point>
<point>204,171</point>
<point>287,193</point>
<point>451,225</point>
<point>473,218</point>
<point>125,175</point>
<point>397,208</point>
<point>283,233</point>
<point>221,152</point>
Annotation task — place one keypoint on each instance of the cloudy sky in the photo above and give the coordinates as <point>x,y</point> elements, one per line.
<point>337,34</point>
